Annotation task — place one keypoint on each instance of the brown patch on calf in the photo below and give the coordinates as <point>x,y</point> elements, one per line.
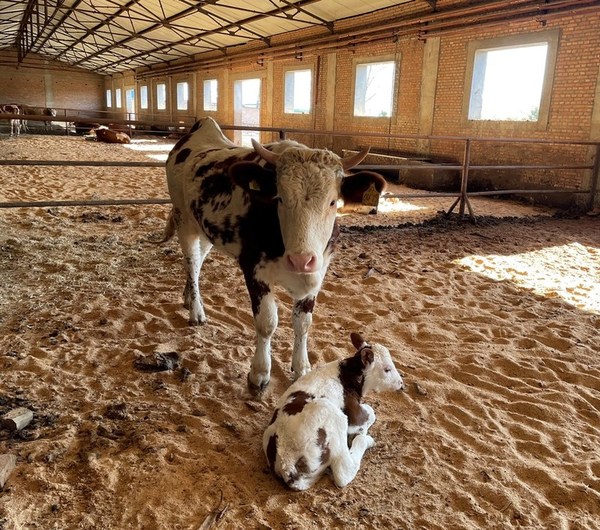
<point>353,410</point>
<point>274,418</point>
<point>180,142</point>
<point>306,305</point>
<point>302,466</point>
<point>351,376</point>
<point>272,451</point>
<point>182,155</point>
<point>322,443</point>
<point>297,401</point>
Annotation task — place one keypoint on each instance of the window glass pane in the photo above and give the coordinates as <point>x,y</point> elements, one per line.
<point>109,97</point>
<point>507,83</point>
<point>374,89</point>
<point>210,94</point>
<point>143,97</point>
<point>161,96</point>
<point>298,89</point>
<point>182,96</point>
<point>118,98</point>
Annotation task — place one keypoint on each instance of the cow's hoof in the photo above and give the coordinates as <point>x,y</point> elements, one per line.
<point>257,389</point>
<point>193,322</point>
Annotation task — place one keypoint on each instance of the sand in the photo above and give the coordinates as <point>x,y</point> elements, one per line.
<point>494,326</point>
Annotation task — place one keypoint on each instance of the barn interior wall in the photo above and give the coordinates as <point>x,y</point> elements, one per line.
<point>41,82</point>
<point>429,98</point>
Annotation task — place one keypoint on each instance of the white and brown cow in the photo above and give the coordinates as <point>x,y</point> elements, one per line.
<point>314,418</point>
<point>15,124</point>
<point>108,136</point>
<point>273,208</point>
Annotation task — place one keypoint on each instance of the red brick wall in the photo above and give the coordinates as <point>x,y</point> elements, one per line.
<point>44,83</point>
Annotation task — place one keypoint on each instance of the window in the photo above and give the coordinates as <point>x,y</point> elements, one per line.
<point>510,78</point>
<point>143,97</point>
<point>118,98</point>
<point>210,94</point>
<point>374,89</point>
<point>507,83</point>
<point>108,97</point>
<point>182,96</point>
<point>298,91</point>
<point>161,96</point>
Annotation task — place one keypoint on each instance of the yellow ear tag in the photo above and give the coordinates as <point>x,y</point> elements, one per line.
<point>370,196</point>
<point>254,185</point>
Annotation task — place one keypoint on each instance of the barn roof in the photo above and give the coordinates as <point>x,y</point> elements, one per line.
<point>108,36</point>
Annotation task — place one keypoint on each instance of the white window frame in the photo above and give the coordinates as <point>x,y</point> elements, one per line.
<point>551,38</point>
<point>160,106</point>
<point>108,98</point>
<point>364,61</point>
<point>144,102</point>
<point>118,99</point>
<point>288,98</point>
<point>185,103</point>
<point>207,105</point>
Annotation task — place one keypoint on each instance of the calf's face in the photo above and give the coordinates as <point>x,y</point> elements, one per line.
<point>381,375</point>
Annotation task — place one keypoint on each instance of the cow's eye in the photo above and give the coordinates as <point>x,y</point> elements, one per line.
<point>332,203</point>
<point>387,370</point>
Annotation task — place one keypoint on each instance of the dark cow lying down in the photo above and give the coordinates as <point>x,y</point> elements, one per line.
<point>273,208</point>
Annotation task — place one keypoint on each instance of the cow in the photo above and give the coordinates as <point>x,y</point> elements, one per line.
<point>273,208</point>
<point>85,127</point>
<point>103,134</point>
<point>314,418</point>
<point>15,124</point>
<point>37,111</point>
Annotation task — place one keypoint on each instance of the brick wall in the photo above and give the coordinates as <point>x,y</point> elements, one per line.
<point>44,83</point>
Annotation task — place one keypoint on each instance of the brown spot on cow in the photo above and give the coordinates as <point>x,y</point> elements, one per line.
<point>272,451</point>
<point>181,142</point>
<point>302,466</point>
<point>274,418</point>
<point>322,443</point>
<point>182,155</point>
<point>306,305</point>
<point>353,410</point>
<point>297,402</point>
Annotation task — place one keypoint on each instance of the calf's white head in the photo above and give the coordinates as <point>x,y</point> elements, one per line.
<point>306,185</point>
<point>380,374</point>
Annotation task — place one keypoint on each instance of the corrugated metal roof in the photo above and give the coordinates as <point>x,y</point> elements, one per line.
<point>109,36</point>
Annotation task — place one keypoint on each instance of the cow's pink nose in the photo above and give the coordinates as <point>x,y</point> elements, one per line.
<point>302,262</point>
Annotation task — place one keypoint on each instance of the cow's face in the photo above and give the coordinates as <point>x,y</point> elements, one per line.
<point>306,185</point>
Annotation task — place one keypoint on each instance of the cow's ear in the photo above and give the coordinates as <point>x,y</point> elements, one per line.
<point>366,356</point>
<point>355,185</point>
<point>256,180</point>
<point>357,340</point>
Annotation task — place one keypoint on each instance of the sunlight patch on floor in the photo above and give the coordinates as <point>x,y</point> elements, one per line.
<point>570,272</point>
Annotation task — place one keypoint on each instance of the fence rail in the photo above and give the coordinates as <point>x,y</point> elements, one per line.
<point>462,196</point>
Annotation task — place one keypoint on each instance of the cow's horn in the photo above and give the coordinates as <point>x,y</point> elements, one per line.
<point>269,156</point>
<point>353,160</point>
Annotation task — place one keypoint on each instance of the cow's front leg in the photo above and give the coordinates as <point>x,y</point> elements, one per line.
<point>264,308</point>
<point>301,321</point>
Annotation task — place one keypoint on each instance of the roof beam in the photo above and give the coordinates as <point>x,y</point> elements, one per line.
<point>201,36</point>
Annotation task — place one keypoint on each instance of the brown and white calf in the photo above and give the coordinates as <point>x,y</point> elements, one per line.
<point>309,431</point>
<point>271,207</point>
<point>15,124</point>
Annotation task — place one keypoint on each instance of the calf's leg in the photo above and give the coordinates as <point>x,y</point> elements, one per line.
<point>346,464</point>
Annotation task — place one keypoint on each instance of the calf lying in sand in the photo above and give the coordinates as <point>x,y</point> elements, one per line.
<point>313,419</point>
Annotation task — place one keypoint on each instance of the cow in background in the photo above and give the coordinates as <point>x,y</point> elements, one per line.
<point>33,111</point>
<point>15,124</point>
<point>108,136</point>
<point>273,208</point>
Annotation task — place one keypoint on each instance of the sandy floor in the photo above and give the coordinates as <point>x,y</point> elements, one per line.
<point>494,326</point>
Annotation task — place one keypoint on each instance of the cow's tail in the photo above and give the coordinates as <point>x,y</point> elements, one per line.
<point>169,230</point>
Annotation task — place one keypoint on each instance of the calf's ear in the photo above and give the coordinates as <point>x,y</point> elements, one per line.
<point>355,185</point>
<point>366,356</point>
<point>357,340</point>
<point>259,182</point>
